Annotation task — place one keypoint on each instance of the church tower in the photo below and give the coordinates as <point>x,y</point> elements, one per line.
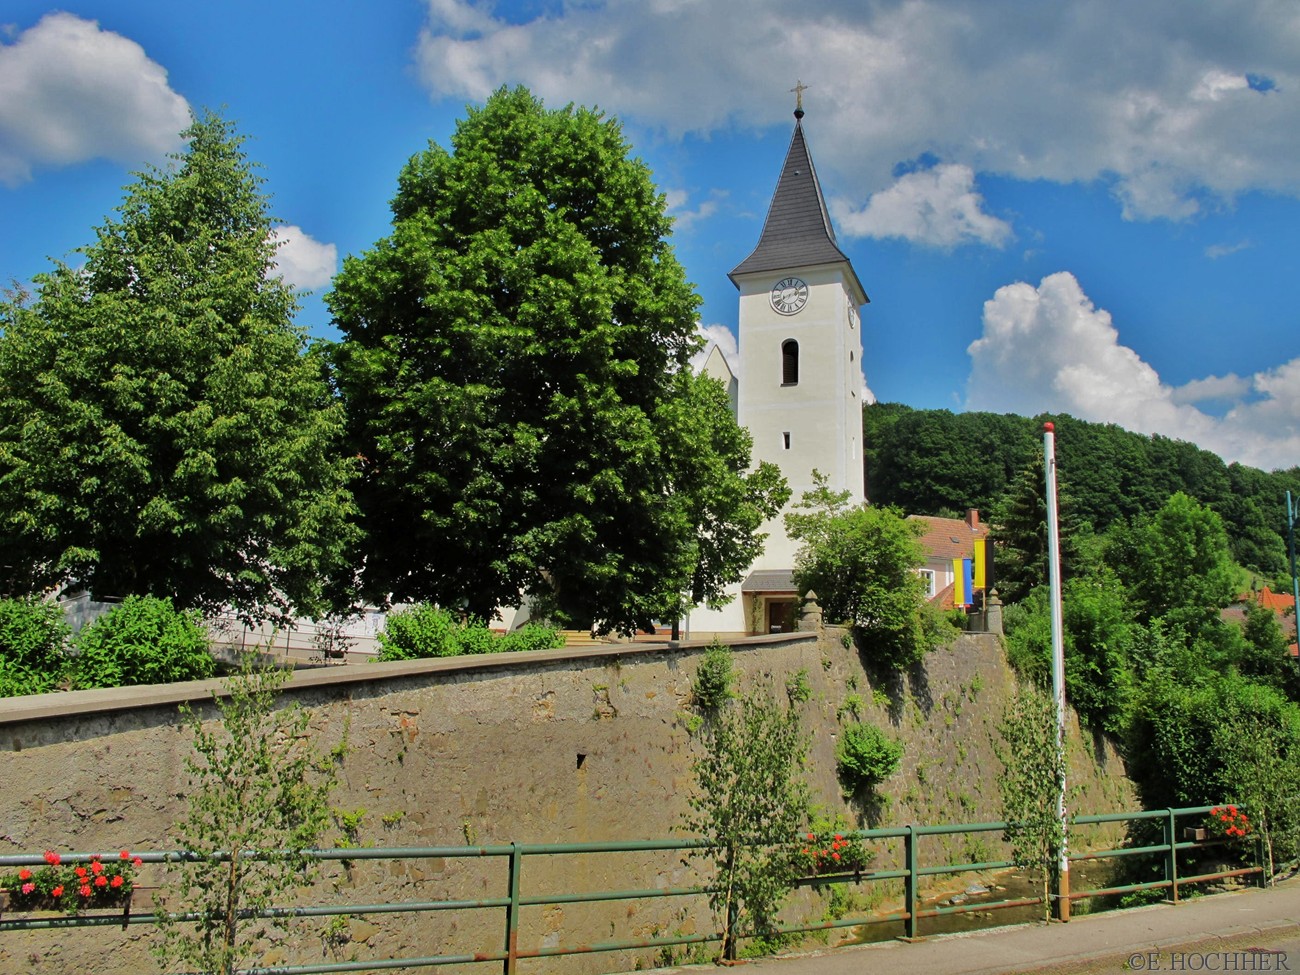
<point>800,375</point>
<point>800,390</point>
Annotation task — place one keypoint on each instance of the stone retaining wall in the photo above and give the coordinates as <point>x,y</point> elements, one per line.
<point>581,744</point>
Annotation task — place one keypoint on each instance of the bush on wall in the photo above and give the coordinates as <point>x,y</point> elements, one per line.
<point>33,636</point>
<point>145,640</point>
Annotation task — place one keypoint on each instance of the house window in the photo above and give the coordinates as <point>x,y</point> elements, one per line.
<point>927,577</point>
<point>785,440</point>
<point>789,363</point>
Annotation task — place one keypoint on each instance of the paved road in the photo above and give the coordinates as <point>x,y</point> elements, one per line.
<point>1208,934</point>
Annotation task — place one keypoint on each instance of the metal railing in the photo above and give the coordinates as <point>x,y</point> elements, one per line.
<point>513,899</point>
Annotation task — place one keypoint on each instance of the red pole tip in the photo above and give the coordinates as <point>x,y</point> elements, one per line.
<point>1049,426</point>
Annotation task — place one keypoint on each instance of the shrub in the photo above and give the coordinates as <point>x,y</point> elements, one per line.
<point>32,639</point>
<point>532,636</point>
<point>714,678</point>
<point>430,631</point>
<point>422,630</point>
<point>145,640</point>
<point>866,756</point>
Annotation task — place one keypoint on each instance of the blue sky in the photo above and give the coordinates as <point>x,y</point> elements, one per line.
<point>1088,208</point>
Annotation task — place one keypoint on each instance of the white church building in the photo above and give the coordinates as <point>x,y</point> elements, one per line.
<point>800,385</point>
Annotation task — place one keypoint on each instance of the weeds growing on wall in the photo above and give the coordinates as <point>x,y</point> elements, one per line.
<point>715,678</point>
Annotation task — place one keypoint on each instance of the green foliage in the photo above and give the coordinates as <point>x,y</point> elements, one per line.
<point>1019,529</point>
<point>936,462</point>
<point>750,802</point>
<point>1258,743</point>
<point>797,688</point>
<point>1033,776</point>
<point>830,846</point>
<point>33,636</point>
<point>715,678</point>
<point>1098,636</point>
<point>424,630</point>
<point>1180,564</point>
<point>143,641</point>
<point>1199,737</point>
<point>258,799</point>
<point>161,430</point>
<point>861,562</point>
<point>865,756</point>
<point>515,370</point>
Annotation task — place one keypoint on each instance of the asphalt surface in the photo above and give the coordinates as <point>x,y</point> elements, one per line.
<point>1245,931</point>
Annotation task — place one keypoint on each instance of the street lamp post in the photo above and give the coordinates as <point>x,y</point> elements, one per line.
<point>1291,514</point>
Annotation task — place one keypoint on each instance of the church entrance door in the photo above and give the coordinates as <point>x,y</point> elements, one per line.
<point>780,615</point>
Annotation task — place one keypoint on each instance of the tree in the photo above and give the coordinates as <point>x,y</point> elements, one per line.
<point>1181,564</point>
<point>751,802</point>
<point>515,368</point>
<point>862,561</point>
<point>1019,529</point>
<point>1032,780</point>
<point>258,801</point>
<point>161,430</point>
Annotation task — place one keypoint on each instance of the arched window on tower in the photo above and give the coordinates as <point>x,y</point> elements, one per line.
<point>789,363</point>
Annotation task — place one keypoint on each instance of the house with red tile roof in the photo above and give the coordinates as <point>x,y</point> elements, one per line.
<point>946,539</point>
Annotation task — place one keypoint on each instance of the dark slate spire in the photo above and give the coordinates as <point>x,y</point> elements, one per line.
<point>797,232</point>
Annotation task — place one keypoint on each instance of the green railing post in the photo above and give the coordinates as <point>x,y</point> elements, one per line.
<point>512,911</point>
<point>912,882</point>
<point>1171,860</point>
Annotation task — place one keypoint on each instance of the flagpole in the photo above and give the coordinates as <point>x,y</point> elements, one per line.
<point>1058,660</point>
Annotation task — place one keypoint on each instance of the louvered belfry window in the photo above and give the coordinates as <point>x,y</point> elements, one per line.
<point>789,363</point>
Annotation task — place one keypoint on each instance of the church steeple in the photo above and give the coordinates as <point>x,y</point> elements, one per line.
<point>797,231</point>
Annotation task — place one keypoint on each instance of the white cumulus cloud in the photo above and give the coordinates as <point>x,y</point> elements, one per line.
<point>304,262</point>
<point>70,92</point>
<point>1165,103</point>
<point>939,207</point>
<point>1049,349</point>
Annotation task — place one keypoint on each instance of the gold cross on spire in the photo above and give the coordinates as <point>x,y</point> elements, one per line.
<point>798,90</point>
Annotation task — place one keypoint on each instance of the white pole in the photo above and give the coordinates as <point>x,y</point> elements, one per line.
<point>1058,656</point>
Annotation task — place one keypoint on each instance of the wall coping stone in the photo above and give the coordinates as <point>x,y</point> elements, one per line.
<point>65,704</point>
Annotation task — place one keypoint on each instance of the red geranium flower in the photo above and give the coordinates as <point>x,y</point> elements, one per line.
<point>57,891</point>
<point>28,888</point>
<point>96,867</point>
<point>24,874</point>
<point>117,881</point>
<point>84,890</point>
<point>51,858</point>
<point>101,881</point>
<point>125,855</point>
<point>137,862</point>
<point>81,872</point>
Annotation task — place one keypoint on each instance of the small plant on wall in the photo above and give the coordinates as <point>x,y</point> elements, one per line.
<point>865,756</point>
<point>715,678</point>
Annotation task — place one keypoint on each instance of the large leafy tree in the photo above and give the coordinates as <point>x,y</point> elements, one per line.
<point>861,561</point>
<point>162,429</point>
<point>515,368</point>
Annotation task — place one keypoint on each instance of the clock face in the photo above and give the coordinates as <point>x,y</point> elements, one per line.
<point>789,295</point>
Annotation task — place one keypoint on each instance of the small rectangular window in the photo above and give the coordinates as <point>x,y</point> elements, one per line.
<point>785,439</point>
<point>927,576</point>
